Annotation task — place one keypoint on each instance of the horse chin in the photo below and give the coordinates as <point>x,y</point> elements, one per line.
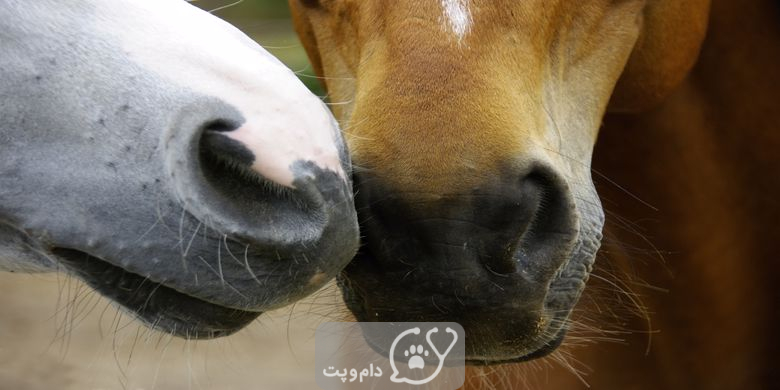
<point>158,305</point>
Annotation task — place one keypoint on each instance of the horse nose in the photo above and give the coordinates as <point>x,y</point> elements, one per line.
<point>518,224</point>
<point>491,248</point>
<point>260,190</point>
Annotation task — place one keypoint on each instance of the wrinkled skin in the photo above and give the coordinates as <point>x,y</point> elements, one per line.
<point>168,161</point>
<point>471,125</point>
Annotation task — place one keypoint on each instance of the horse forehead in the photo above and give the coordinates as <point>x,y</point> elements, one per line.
<point>457,16</point>
<point>485,20</point>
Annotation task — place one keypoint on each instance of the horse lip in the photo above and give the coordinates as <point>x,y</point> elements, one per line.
<point>545,349</point>
<point>355,301</point>
<point>155,303</point>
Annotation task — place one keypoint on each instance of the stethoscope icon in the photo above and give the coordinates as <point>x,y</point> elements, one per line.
<point>441,357</point>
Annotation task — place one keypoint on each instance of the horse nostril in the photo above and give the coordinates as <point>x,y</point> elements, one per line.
<point>510,216</point>
<point>549,231</point>
<point>214,176</point>
<point>226,160</point>
<point>216,147</point>
<point>507,226</point>
<point>522,221</point>
<point>225,166</point>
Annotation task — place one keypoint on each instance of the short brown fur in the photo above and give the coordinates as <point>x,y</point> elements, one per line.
<point>702,153</point>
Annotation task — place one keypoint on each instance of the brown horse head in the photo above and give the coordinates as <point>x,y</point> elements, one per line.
<point>471,125</point>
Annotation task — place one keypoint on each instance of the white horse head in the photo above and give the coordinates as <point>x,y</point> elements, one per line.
<point>174,165</point>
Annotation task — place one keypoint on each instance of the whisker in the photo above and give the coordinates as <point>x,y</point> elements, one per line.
<point>226,6</point>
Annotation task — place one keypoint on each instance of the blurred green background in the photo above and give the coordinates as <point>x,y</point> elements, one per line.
<point>268,23</point>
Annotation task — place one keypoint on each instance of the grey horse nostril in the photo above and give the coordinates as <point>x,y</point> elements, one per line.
<point>226,164</point>
<point>215,143</point>
<point>214,173</point>
<point>220,125</point>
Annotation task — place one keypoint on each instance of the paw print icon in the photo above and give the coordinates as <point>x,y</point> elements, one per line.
<point>416,361</point>
<point>415,354</point>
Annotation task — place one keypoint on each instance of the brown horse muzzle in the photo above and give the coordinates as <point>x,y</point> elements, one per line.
<point>485,259</point>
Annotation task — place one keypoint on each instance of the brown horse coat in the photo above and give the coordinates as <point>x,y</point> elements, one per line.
<point>705,165</point>
<point>688,179</point>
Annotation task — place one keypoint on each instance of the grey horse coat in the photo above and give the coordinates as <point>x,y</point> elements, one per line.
<point>164,158</point>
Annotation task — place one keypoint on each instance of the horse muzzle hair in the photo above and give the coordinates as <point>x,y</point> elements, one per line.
<point>168,161</point>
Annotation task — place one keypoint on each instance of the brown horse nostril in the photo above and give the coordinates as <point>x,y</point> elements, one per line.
<point>511,217</point>
<point>547,239</point>
<point>507,226</point>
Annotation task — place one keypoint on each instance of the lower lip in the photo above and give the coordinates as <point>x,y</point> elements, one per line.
<point>154,302</point>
